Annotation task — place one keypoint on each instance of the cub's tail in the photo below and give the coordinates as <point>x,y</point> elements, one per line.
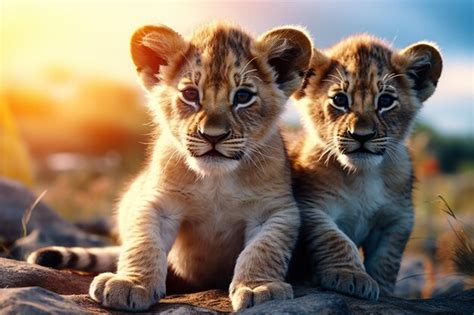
<point>94,259</point>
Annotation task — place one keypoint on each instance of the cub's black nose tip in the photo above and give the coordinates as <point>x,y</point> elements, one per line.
<point>214,139</point>
<point>361,137</point>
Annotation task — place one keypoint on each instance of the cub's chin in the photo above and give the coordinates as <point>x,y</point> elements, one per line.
<point>212,165</point>
<point>360,160</point>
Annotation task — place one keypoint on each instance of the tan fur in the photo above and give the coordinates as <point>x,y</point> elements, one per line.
<point>358,199</point>
<point>203,221</point>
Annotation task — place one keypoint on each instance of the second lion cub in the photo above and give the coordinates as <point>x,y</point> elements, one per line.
<point>352,172</point>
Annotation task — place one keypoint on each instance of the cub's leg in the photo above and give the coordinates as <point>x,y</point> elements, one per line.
<point>334,258</point>
<point>262,266</point>
<point>148,233</point>
<point>384,249</point>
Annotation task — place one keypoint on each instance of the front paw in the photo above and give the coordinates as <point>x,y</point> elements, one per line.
<point>123,293</point>
<point>247,295</point>
<point>352,282</point>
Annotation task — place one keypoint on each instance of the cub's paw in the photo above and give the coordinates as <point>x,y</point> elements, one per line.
<point>123,293</point>
<point>352,282</point>
<point>245,295</point>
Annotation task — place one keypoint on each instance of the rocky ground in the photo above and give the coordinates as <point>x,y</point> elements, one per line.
<point>26,225</point>
<point>31,289</point>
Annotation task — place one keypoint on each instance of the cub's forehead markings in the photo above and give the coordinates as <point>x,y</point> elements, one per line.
<point>237,79</point>
<point>197,77</point>
<point>249,85</point>
<point>225,48</point>
<point>192,77</point>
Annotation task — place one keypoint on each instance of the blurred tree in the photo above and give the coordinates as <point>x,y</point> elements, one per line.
<point>70,112</point>
<point>14,158</point>
<point>453,152</point>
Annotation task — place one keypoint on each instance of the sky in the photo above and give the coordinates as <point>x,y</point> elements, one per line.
<point>92,36</point>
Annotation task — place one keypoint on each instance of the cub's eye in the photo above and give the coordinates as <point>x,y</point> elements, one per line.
<point>243,97</point>
<point>386,102</point>
<point>190,95</point>
<point>340,101</point>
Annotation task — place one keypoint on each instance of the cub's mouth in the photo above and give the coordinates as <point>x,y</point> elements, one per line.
<point>215,154</point>
<point>363,150</point>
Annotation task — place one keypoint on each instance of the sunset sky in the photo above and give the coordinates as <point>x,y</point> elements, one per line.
<point>92,36</point>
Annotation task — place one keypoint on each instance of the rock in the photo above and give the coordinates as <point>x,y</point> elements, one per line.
<point>15,199</point>
<point>316,301</point>
<point>306,301</point>
<point>44,228</point>
<point>415,278</point>
<point>448,284</point>
<point>17,274</point>
<point>165,307</point>
<point>46,237</point>
<point>420,278</point>
<point>36,301</point>
<point>98,226</point>
<point>64,292</point>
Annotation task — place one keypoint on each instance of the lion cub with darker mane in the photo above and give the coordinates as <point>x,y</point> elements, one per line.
<point>352,173</point>
<point>213,207</point>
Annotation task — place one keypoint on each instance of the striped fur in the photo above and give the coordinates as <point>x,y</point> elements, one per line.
<point>197,221</point>
<point>97,259</point>
<point>352,174</point>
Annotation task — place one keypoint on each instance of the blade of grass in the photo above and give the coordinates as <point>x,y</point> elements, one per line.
<point>463,250</point>
<point>448,209</point>
<point>27,214</point>
<point>451,274</point>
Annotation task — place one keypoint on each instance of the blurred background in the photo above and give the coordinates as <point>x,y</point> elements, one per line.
<point>73,120</point>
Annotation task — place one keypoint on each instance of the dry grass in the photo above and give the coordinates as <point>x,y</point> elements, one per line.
<point>441,253</point>
<point>463,251</point>
<point>27,214</point>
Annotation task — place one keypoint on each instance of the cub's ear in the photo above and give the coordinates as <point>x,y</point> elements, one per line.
<point>423,64</point>
<point>288,51</point>
<point>319,62</point>
<point>153,46</point>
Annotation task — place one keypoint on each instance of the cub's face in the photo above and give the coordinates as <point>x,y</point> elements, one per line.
<point>219,94</point>
<point>360,98</point>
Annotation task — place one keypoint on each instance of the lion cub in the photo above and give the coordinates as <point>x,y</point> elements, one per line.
<point>352,173</point>
<point>213,205</point>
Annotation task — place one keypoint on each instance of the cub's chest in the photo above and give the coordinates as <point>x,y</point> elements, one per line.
<point>217,199</point>
<point>365,194</point>
<point>357,204</point>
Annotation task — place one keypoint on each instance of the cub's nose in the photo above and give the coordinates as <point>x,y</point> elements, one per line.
<point>361,137</point>
<point>214,138</point>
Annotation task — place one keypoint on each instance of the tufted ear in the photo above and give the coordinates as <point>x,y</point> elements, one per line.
<point>319,62</point>
<point>152,47</point>
<point>288,51</point>
<point>423,64</point>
